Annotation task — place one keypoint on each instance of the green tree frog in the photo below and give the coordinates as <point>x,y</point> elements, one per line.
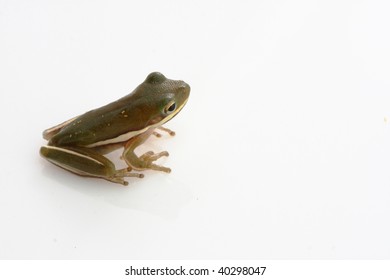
<point>79,145</point>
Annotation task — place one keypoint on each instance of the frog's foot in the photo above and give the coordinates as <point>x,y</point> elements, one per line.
<point>145,161</point>
<point>170,132</point>
<point>149,157</point>
<point>118,176</point>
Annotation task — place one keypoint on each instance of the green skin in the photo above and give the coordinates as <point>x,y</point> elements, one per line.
<point>79,144</point>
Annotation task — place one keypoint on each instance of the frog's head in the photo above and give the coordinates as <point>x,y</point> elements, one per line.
<point>162,98</point>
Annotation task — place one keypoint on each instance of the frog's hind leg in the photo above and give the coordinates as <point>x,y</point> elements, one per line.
<point>86,162</point>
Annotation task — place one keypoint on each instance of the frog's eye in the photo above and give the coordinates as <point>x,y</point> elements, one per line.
<point>170,108</point>
<point>155,78</point>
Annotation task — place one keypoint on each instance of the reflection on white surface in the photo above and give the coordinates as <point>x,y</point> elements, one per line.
<point>281,152</point>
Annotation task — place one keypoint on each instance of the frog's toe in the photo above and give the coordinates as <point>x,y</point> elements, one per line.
<point>118,181</point>
<point>151,156</point>
<point>167,130</point>
<point>156,167</point>
<point>158,135</point>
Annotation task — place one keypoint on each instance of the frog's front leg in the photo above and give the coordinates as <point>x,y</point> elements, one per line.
<point>86,162</point>
<point>167,130</point>
<point>146,160</point>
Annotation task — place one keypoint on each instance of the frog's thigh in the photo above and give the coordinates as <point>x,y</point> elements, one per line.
<point>85,162</point>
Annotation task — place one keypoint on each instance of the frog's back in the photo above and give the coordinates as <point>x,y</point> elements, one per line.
<point>120,120</point>
<point>101,124</point>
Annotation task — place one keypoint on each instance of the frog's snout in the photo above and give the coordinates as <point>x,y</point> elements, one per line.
<point>185,88</point>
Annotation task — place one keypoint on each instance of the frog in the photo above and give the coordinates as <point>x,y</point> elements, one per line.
<point>81,144</point>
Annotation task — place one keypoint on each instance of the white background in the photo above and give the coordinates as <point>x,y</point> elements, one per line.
<point>283,150</point>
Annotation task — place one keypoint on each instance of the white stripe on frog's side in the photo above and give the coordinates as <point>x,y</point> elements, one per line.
<point>127,136</point>
<point>120,138</point>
